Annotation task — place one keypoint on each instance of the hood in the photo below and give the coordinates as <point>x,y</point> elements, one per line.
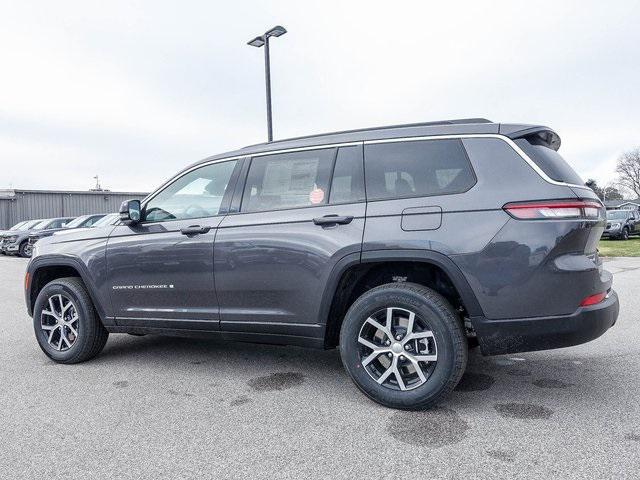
<point>45,233</point>
<point>76,234</point>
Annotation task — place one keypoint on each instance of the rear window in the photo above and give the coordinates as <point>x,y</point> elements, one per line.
<point>549,161</point>
<point>417,169</point>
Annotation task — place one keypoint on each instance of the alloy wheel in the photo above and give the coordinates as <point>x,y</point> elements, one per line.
<point>59,322</point>
<point>397,348</point>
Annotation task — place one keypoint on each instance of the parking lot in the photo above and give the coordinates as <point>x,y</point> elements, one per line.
<point>151,407</point>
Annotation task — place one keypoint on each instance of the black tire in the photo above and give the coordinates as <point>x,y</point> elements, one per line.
<point>92,336</point>
<point>23,249</point>
<point>433,308</point>
<point>625,234</point>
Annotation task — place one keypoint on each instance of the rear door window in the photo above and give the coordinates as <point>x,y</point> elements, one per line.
<point>416,169</point>
<point>288,180</point>
<point>549,161</point>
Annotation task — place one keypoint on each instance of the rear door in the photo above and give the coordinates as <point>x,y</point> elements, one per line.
<point>299,214</point>
<point>160,271</point>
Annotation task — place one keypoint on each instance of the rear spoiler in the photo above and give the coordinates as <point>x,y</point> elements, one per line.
<point>536,135</point>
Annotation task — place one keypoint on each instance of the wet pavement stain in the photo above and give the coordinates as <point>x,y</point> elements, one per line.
<point>121,384</point>
<point>523,411</point>
<point>502,455</point>
<point>173,392</point>
<point>276,381</point>
<point>632,437</point>
<point>551,383</point>
<point>475,382</point>
<point>241,400</point>
<point>519,372</point>
<point>433,428</point>
<point>198,362</point>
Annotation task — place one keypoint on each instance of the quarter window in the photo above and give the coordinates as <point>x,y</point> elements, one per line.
<point>417,168</point>
<point>288,180</point>
<point>196,194</point>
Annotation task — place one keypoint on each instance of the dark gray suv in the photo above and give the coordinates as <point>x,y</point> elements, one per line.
<point>403,246</point>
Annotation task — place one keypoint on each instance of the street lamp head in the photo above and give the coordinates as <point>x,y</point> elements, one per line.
<point>256,42</point>
<point>276,31</point>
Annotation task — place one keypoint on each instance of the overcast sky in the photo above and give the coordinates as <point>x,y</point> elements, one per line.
<point>135,90</point>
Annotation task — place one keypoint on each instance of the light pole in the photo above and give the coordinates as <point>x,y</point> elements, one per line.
<point>263,41</point>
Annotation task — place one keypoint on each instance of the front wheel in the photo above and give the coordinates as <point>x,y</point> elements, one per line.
<point>25,250</point>
<point>403,346</point>
<point>625,234</point>
<point>66,325</point>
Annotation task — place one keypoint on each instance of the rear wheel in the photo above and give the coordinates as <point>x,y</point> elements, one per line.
<point>66,325</point>
<point>403,346</point>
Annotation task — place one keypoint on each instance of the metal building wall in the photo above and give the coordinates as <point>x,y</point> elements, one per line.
<point>19,205</point>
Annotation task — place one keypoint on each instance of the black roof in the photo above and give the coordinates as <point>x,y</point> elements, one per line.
<point>463,126</point>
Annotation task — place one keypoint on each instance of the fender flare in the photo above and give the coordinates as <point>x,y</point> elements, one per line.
<point>40,263</point>
<point>400,255</point>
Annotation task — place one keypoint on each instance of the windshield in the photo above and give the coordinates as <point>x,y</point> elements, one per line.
<point>17,226</point>
<point>106,220</point>
<point>41,225</point>
<point>617,215</point>
<point>30,224</point>
<point>77,222</point>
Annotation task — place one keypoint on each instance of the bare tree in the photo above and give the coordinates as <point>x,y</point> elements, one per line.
<point>628,170</point>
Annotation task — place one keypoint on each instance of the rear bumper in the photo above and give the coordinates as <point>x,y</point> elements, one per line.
<point>498,337</point>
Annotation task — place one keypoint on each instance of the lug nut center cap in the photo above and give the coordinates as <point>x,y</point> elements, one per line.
<point>396,347</point>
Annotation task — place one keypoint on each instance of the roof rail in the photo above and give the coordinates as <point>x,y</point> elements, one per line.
<point>459,121</point>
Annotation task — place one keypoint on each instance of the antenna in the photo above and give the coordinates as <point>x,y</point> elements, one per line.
<point>97,188</point>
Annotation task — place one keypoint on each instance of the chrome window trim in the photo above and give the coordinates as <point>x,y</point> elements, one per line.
<point>460,136</point>
<point>149,197</point>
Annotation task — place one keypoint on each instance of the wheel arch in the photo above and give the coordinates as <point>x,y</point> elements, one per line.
<point>46,269</point>
<point>348,276</point>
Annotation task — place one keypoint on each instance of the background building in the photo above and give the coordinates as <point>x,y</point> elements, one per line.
<point>623,204</point>
<point>19,205</point>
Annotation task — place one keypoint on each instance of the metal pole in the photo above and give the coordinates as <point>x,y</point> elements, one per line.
<point>267,77</point>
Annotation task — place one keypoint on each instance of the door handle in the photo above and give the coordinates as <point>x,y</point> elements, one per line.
<point>332,220</point>
<point>194,230</point>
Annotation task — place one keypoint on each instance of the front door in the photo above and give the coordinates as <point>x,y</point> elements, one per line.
<point>301,213</point>
<point>160,270</point>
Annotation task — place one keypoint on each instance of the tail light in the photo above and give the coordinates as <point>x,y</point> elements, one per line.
<point>593,299</point>
<point>556,209</point>
<point>26,281</point>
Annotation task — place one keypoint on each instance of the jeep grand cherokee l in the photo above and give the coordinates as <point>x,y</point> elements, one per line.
<point>402,246</point>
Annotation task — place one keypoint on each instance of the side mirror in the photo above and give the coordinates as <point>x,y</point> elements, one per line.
<point>130,212</point>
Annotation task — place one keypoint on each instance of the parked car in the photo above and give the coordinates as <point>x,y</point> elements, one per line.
<point>468,232</point>
<point>83,221</point>
<point>621,224</point>
<point>106,221</point>
<point>14,233</point>
<point>18,242</point>
<point>15,227</point>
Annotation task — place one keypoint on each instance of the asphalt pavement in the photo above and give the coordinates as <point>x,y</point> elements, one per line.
<point>158,407</point>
